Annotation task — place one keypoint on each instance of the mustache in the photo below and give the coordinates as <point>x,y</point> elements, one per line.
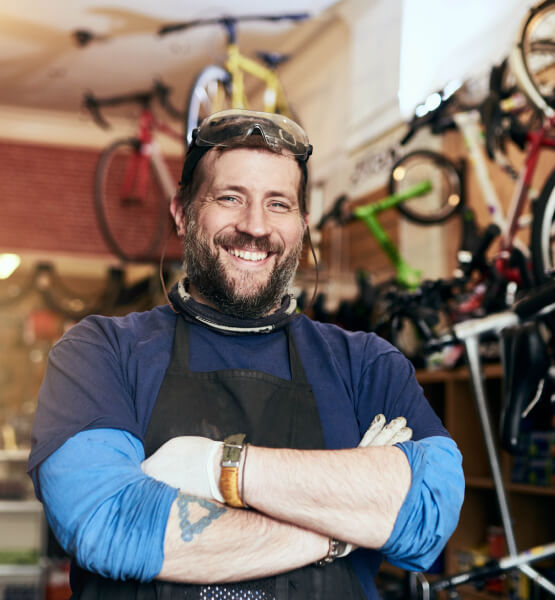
<point>248,242</point>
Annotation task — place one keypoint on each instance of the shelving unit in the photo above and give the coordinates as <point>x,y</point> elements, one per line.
<point>450,394</point>
<point>23,534</point>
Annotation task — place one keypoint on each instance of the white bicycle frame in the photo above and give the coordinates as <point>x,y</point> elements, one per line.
<point>469,125</point>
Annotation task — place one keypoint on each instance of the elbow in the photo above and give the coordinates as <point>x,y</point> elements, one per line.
<point>431,510</point>
<point>122,540</point>
<point>122,537</point>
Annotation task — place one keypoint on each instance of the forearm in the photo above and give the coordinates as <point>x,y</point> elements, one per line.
<point>207,542</point>
<point>354,495</point>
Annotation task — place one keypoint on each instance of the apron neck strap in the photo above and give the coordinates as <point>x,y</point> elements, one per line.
<point>202,314</point>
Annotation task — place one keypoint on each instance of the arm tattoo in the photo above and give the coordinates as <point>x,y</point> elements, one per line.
<point>188,529</point>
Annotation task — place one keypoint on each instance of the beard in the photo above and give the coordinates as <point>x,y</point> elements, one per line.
<point>207,273</point>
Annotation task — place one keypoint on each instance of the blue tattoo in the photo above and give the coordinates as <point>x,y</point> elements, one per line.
<point>188,529</point>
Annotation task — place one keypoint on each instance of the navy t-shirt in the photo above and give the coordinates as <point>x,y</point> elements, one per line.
<point>107,371</point>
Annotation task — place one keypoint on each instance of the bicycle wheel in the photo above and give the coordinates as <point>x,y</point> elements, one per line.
<point>446,195</point>
<point>537,47</point>
<point>131,209</point>
<point>542,236</point>
<point>211,92</point>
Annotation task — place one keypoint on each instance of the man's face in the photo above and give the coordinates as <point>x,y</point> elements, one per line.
<point>244,235</point>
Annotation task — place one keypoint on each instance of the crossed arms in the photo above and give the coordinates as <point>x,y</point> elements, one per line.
<point>121,523</point>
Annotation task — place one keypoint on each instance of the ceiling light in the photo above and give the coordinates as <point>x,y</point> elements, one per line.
<point>8,264</point>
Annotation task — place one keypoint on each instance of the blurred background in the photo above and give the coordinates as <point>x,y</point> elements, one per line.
<point>356,72</point>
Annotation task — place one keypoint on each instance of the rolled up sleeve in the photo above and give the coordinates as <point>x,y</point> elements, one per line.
<point>430,512</point>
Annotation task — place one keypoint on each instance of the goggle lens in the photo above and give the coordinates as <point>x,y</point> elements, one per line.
<point>230,127</point>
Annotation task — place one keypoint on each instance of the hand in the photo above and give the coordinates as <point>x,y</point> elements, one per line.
<point>189,463</point>
<point>380,434</point>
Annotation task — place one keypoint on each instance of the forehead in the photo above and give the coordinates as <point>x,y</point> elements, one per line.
<point>255,168</point>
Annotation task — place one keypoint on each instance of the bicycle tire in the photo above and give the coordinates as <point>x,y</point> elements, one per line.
<point>537,49</point>
<point>542,236</point>
<point>446,196</point>
<point>210,93</point>
<point>133,228</point>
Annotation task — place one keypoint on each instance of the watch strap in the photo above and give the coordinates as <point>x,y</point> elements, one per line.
<point>229,476</point>
<point>336,550</point>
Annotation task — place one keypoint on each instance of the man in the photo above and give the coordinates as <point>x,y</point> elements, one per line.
<point>289,506</point>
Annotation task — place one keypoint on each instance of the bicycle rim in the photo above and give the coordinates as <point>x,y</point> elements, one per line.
<point>445,197</point>
<point>543,232</point>
<point>537,46</point>
<point>131,210</point>
<point>209,94</point>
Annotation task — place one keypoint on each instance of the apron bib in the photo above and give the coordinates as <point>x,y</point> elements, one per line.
<point>274,413</point>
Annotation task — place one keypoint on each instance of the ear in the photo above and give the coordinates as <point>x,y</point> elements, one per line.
<point>177,213</point>
<point>305,221</point>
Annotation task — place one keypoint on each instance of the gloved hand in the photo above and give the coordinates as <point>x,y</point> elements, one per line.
<point>380,434</point>
<point>189,463</point>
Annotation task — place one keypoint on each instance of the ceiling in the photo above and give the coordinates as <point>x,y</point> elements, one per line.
<point>43,67</point>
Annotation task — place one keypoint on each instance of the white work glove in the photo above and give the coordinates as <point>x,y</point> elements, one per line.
<point>380,434</point>
<point>189,463</point>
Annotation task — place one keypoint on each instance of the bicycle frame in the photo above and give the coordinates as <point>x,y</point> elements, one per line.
<point>237,64</point>
<point>509,224</point>
<point>137,172</point>
<point>406,275</point>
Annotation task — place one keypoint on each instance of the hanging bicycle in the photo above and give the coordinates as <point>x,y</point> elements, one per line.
<point>218,87</point>
<point>133,181</point>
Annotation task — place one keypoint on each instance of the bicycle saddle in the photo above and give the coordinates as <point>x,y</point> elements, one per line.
<point>273,59</point>
<point>526,364</point>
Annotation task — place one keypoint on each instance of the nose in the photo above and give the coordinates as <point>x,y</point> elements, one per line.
<point>254,220</point>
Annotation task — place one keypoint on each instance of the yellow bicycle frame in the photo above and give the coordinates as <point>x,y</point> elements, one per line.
<point>274,96</point>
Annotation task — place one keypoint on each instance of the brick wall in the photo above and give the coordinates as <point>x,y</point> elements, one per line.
<point>46,195</point>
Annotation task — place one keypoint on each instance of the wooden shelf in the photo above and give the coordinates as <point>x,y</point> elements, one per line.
<point>450,394</point>
<point>490,371</point>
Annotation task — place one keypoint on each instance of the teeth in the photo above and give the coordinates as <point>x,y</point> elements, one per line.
<point>248,255</point>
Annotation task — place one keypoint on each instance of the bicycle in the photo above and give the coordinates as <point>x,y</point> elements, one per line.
<point>447,185</point>
<point>219,87</point>
<point>133,182</point>
<point>525,372</point>
<point>511,259</point>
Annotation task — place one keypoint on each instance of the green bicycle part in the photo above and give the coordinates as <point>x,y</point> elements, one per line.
<point>388,202</point>
<point>406,275</point>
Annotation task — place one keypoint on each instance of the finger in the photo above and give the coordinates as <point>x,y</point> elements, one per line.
<point>389,431</point>
<point>404,435</point>
<point>375,427</point>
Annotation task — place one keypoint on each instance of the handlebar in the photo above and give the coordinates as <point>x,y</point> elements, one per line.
<point>229,22</point>
<point>159,92</point>
<point>436,119</point>
<point>336,212</point>
<point>534,303</point>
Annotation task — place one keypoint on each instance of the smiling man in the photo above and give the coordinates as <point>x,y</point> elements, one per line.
<point>225,446</point>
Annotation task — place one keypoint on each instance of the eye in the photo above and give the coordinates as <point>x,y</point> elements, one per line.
<point>228,199</point>
<point>280,206</point>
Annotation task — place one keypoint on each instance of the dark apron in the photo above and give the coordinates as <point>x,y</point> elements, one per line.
<point>273,412</point>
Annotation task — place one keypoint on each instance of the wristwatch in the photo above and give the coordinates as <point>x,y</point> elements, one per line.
<point>229,477</point>
<point>336,549</point>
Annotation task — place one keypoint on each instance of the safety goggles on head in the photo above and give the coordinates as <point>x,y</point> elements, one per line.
<point>230,128</point>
